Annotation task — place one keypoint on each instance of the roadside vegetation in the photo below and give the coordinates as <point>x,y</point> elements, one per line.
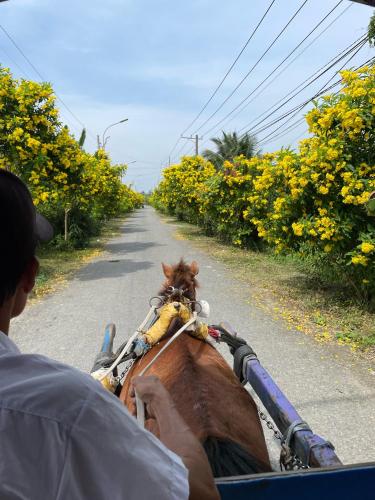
<point>306,217</point>
<point>77,191</point>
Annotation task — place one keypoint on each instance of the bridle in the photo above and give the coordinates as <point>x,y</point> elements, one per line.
<point>173,294</point>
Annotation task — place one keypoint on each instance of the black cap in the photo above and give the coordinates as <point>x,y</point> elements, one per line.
<point>44,230</point>
<point>21,227</point>
<point>38,227</point>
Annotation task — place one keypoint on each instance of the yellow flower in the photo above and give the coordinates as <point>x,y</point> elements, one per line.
<point>345,190</point>
<point>297,229</point>
<point>367,247</point>
<point>43,196</point>
<point>359,259</point>
<point>332,154</point>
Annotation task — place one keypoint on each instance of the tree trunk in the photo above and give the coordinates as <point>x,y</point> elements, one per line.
<point>66,232</point>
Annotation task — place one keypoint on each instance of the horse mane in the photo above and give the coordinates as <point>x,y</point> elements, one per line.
<point>181,276</point>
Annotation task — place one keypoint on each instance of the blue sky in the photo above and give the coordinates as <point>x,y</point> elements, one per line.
<point>157,62</point>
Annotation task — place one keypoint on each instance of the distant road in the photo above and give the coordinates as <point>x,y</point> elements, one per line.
<point>332,392</point>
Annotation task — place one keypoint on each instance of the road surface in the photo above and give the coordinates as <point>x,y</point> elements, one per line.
<point>332,392</point>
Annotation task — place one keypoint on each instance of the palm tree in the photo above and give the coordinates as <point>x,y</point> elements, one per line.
<point>230,146</point>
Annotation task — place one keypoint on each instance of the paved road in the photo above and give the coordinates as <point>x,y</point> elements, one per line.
<point>332,392</point>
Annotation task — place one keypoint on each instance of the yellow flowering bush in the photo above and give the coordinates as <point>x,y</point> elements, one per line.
<point>61,176</point>
<point>314,201</point>
<point>224,203</point>
<point>182,186</point>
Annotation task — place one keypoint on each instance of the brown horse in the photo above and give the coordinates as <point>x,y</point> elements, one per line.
<point>206,392</point>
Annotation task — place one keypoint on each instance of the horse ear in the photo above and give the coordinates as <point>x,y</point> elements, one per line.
<point>167,270</point>
<point>194,267</point>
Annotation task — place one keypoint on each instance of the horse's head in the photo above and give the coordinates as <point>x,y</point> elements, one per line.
<point>180,281</point>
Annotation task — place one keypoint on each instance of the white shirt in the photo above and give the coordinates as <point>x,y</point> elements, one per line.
<point>64,437</point>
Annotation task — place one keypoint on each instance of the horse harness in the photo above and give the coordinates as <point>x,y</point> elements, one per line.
<point>136,347</point>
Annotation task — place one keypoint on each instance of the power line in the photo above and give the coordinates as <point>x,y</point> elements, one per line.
<point>331,63</point>
<point>292,112</point>
<point>253,67</point>
<point>299,108</point>
<point>271,137</point>
<point>27,75</point>
<point>276,68</point>
<point>358,45</point>
<point>225,76</point>
<point>284,69</point>
<point>22,70</point>
<point>231,67</point>
<point>22,52</point>
<point>291,127</point>
<point>43,79</point>
<point>186,143</point>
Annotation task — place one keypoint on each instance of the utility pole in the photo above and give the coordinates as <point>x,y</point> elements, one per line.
<point>196,139</point>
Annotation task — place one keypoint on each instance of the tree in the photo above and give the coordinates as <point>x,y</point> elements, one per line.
<point>63,179</point>
<point>230,146</point>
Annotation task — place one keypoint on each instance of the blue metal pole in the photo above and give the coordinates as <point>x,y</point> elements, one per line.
<point>309,447</point>
<point>107,347</point>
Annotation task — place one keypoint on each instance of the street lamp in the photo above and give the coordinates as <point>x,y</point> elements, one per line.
<point>104,140</point>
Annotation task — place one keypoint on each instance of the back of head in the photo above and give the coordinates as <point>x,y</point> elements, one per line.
<point>18,237</point>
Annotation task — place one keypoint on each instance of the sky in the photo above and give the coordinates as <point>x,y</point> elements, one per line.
<point>158,62</point>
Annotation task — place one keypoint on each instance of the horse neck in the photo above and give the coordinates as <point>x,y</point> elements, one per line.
<point>185,369</point>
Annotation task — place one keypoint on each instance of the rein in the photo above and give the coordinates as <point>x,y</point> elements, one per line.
<point>127,346</point>
<point>171,291</point>
<point>139,403</point>
<point>172,295</point>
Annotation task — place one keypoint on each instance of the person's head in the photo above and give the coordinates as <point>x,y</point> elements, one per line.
<point>20,229</point>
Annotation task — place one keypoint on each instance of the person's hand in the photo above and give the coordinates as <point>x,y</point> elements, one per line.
<point>176,435</point>
<point>153,394</point>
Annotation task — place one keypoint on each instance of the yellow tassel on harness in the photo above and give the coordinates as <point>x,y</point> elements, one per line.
<point>169,312</point>
<point>201,331</point>
<point>166,314</point>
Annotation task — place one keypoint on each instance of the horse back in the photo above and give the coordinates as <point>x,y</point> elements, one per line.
<point>206,393</point>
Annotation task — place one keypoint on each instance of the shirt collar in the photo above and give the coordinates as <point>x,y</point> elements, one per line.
<point>7,345</point>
